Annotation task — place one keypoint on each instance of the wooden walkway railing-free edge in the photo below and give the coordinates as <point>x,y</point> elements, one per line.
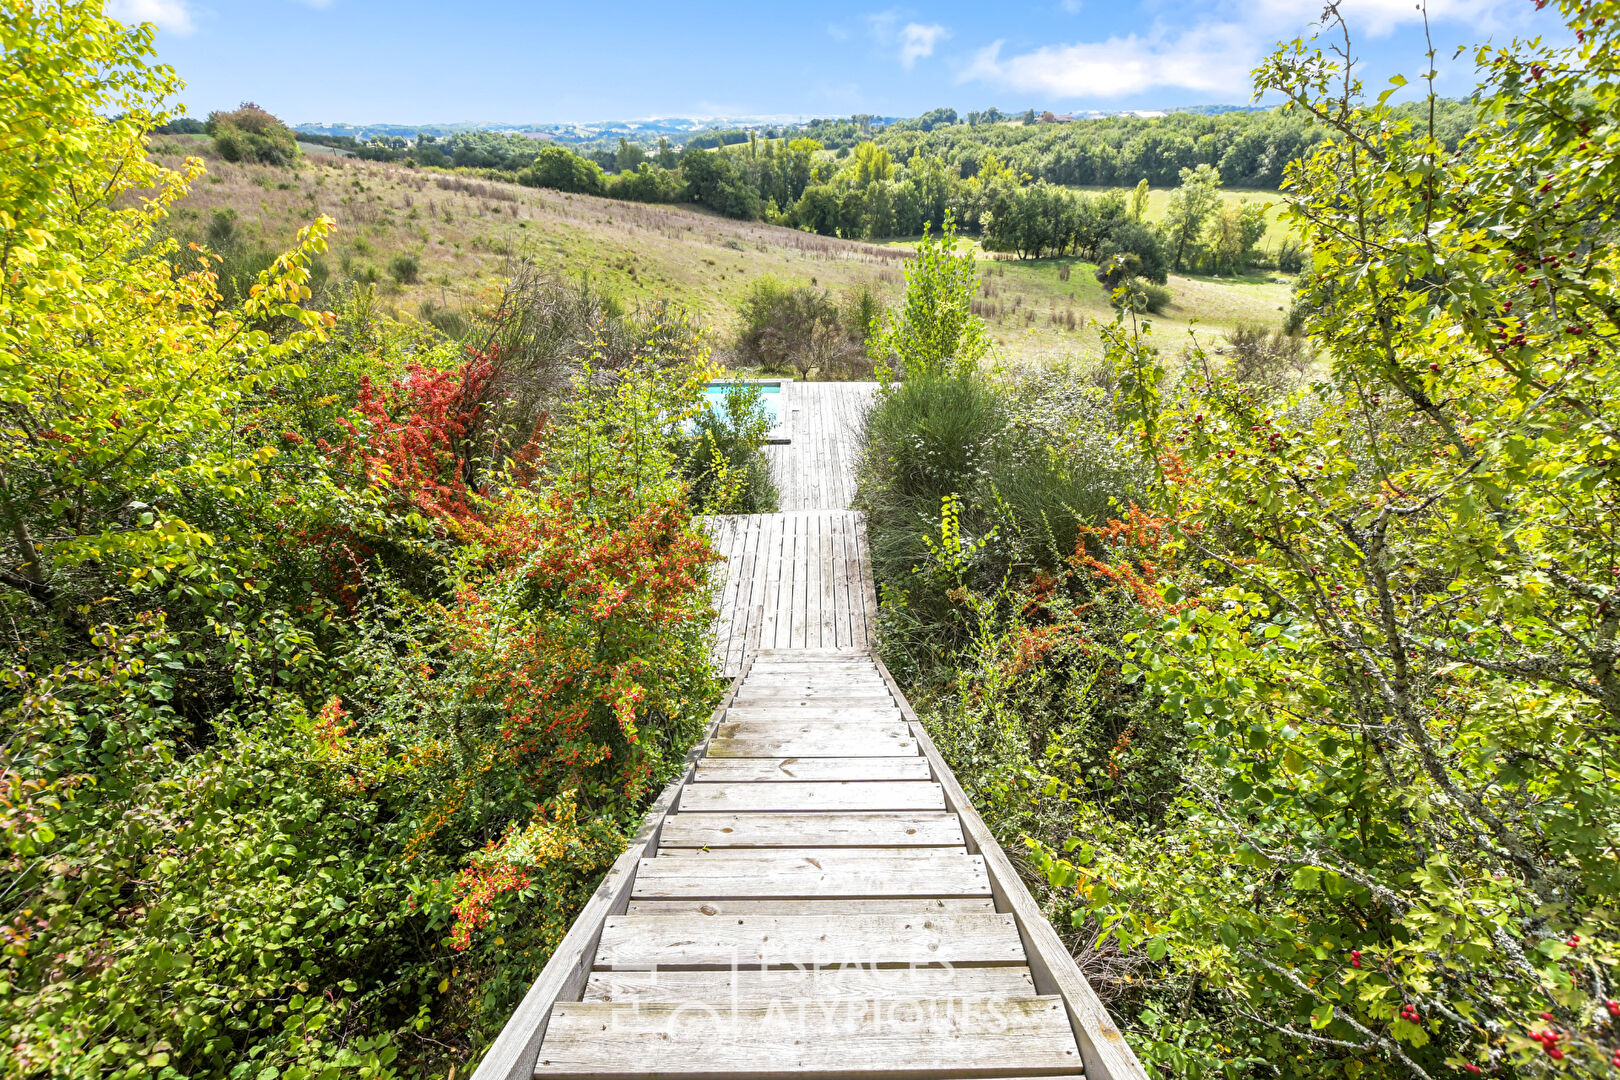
<point>512,1055</point>
<point>1104,1053</point>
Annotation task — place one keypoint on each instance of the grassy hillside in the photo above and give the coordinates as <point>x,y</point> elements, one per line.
<point>464,234</point>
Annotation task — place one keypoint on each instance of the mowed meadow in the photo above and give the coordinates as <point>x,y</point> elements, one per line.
<point>437,245</point>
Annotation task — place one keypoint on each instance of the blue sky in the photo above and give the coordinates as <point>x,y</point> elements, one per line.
<point>407,61</point>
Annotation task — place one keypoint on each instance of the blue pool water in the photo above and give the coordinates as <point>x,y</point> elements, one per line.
<point>770,397</point>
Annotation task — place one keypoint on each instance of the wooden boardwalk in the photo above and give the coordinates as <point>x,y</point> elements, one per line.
<point>800,579</point>
<point>792,581</point>
<point>814,897</point>
<point>815,469</point>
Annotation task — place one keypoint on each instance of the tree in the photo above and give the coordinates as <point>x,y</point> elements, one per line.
<point>879,217</point>
<point>1232,233</point>
<point>251,134</point>
<point>871,163</point>
<point>628,157</point>
<point>1391,636</point>
<point>1139,200</point>
<point>116,356</point>
<point>1189,209</point>
<point>1096,219</point>
<point>818,210</point>
<point>559,168</point>
<point>935,329</point>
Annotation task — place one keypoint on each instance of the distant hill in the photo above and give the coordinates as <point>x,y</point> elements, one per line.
<point>677,129</point>
<point>681,129</point>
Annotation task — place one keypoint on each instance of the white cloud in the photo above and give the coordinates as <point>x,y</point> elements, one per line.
<point>1378,18</point>
<point>1214,58</point>
<point>1216,55</point>
<point>171,15</point>
<point>881,25</point>
<point>911,42</point>
<point>918,40</point>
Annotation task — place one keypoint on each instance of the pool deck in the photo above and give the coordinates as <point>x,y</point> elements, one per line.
<point>815,470</point>
<point>802,578</point>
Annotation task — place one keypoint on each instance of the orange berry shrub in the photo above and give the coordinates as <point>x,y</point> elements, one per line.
<point>333,680</point>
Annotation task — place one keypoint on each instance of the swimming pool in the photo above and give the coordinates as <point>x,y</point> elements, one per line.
<point>771,396</point>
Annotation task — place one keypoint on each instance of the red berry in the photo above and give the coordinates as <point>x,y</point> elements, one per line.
<point>1547,1017</point>
<point>1471,1067</point>
<point>1555,1053</point>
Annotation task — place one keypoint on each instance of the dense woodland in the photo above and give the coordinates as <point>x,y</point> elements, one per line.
<point>342,652</point>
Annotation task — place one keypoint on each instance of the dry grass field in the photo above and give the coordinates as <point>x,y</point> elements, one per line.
<point>464,235</point>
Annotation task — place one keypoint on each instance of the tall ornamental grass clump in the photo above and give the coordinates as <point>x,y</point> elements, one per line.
<point>1021,464</point>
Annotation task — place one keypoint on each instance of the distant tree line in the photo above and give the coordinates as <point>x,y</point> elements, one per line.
<point>1010,183</point>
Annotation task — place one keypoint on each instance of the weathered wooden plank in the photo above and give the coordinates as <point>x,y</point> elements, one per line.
<point>768,725</point>
<point>798,692</point>
<point>817,742</point>
<point>813,851</point>
<point>742,614</point>
<point>824,550</point>
<point>792,830</point>
<point>801,569</point>
<point>840,581</point>
<point>786,874</point>
<point>735,529</point>
<point>867,718</point>
<point>776,537</point>
<point>894,905</point>
<point>906,1037</point>
<point>1009,980</point>
<point>829,669</point>
<point>758,577</point>
<point>814,795</point>
<point>868,588</point>
<point>789,769</point>
<point>765,694</point>
<point>644,942</point>
<point>835,670</point>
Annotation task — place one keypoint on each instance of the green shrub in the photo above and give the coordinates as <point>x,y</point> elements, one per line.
<point>800,328</point>
<point>405,269</point>
<point>1031,462</point>
<point>1266,356</point>
<point>252,135</point>
<point>1155,297</point>
<point>723,460</point>
<point>1290,256</point>
<point>561,169</point>
<point>449,322</point>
